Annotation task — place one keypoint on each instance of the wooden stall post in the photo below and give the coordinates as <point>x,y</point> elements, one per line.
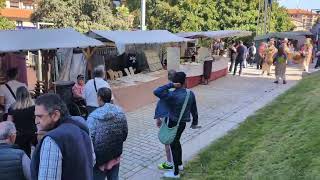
<point>88,52</point>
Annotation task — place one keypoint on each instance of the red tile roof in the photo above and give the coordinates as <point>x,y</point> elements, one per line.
<point>16,13</point>
<point>301,11</point>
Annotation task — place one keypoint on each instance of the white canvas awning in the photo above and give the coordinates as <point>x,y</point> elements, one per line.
<point>281,35</point>
<point>123,38</point>
<point>215,34</point>
<point>36,39</point>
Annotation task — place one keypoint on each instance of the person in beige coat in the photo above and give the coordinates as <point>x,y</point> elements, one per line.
<point>271,50</point>
<point>307,54</point>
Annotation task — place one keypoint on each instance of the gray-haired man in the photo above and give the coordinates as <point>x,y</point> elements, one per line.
<point>65,151</point>
<point>14,163</point>
<point>92,86</point>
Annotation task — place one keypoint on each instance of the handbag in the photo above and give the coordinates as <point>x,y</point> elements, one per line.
<point>167,135</point>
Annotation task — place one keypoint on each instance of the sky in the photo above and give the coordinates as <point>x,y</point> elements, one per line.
<point>302,4</point>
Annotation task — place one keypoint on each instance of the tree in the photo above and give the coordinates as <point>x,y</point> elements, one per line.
<point>83,15</point>
<point>5,24</point>
<point>202,15</point>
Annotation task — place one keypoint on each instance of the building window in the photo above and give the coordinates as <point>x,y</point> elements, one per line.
<point>14,4</point>
<point>19,23</point>
<point>28,6</point>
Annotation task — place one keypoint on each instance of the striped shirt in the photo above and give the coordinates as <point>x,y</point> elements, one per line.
<point>50,167</point>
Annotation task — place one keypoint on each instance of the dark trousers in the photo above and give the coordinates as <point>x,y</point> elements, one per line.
<point>318,63</point>
<point>232,60</point>
<point>112,174</point>
<point>175,146</point>
<point>251,59</point>
<point>90,109</point>
<point>238,62</point>
<point>259,62</point>
<point>24,141</point>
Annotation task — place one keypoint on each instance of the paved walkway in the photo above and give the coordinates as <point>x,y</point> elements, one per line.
<point>222,105</point>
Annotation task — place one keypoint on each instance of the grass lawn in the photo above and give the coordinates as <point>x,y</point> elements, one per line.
<point>280,141</point>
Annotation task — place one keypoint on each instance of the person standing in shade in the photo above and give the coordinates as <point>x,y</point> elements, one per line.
<point>261,54</point>
<point>280,62</point>
<point>22,114</point>
<point>252,54</point>
<point>65,150</point>
<point>175,100</point>
<point>241,56</point>
<point>318,60</point>
<point>14,163</point>
<point>92,86</point>
<point>78,88</point>
<point>108,130</point>
<point>162,112</point>
<point>233,55</point>
<point>307,54</point>
<point>8,90</point>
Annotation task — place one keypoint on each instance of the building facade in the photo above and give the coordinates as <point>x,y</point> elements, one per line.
<point>303,19</point>
<point>20,12</point>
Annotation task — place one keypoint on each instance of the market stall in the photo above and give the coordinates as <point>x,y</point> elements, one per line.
<point>206,66</point>
<point>298,37</point>
<point>16,45</point>
<point>138,63</point>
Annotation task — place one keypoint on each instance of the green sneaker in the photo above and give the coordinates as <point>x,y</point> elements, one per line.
<point>165,166</point>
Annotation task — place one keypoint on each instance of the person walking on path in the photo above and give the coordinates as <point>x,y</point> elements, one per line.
<point>233,55</point>
<point>108,130</point>
<point>162,112</point>
<point>252,53</point>
<point>175,100</point>
<point>241,56</point>
<point>318,60</point>
<point>92,86</point>
<point>22,114</point>
<point>280,62</point>
<point>65,151</point>
<point>268,61</point>
<point>307,54</point>
<point>261,54</point>
<point>14,163</point>
<point>8,91</point>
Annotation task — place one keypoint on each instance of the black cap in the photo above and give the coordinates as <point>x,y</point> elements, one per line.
<point>80,76</point>
<point>179,77</point>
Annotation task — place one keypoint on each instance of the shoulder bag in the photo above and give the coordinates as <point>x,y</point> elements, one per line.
<point>166,135</point>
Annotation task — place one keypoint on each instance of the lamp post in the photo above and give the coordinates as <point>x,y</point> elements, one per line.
<point>143,15</point>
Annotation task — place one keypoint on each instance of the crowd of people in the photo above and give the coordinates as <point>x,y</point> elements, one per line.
<point>277,53</point>
<point>39,139</point>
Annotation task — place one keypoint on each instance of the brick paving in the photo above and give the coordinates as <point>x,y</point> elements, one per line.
<point>217,101</point>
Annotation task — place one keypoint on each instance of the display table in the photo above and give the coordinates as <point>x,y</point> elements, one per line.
<point>194,71</point>
<point>136,91</point>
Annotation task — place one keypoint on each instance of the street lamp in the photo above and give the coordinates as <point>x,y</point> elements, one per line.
<point>143,15</point>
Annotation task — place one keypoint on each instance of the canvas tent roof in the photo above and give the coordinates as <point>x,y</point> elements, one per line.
<point>123,38</point>
<point>36,39</point>
<point>282,35</point>
<point>215,34</point>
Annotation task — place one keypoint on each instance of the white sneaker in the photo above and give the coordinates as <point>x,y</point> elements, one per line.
<point>170,174</point>
<point>180,168</point>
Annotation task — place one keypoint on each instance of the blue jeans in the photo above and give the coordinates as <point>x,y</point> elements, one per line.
<point>112,174</point>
